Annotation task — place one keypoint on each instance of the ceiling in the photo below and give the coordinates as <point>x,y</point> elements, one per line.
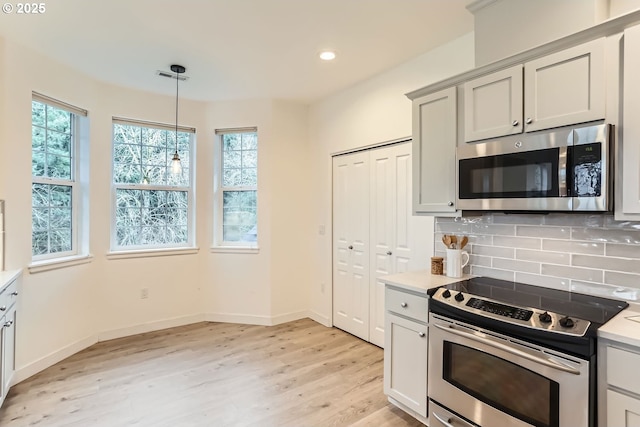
<point>238,49</point>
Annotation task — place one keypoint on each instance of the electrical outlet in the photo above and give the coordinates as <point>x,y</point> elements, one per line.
<point>321,230</point>
<point>144,293</point>
<point>322,287</point>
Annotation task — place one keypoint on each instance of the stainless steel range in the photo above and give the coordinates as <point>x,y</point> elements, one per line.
<point>509,354</point>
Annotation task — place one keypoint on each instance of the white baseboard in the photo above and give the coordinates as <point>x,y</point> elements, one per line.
<point>150,327</point>
<point>320,318</point>
<point>52,358</point>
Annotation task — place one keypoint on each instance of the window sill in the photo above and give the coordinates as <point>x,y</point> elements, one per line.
<point>147,253</point>
<point>54,264</point>
<point>234,249</point>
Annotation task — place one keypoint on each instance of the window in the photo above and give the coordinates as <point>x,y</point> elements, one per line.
<point>152,206</point>
<point>236,188</point>
<point>55,188</point>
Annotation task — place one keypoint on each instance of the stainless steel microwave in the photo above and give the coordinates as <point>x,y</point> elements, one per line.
<point>563,169</point>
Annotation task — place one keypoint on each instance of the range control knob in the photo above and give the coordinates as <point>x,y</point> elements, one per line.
<point>566,322</point>
<point>446,293</point>
<point>459,297</point>
<point>545,317</point>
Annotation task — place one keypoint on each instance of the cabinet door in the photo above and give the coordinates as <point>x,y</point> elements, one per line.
<point>8,348</point>
<point>434,152</point>
<point>565,88</point>
<point>351,243</point>
<point>405,363</point>
<point>629,154</point>
<point>622,410</point>
<point>493,105</point>
<point>395,232</point>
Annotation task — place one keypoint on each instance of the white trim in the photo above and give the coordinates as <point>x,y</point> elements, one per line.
<point>478,5</point>
<point>54,357</point>
<point>44,99</point>
<point>249,129</point>
<point>150,327</point>
<point>320,318</point>
<point>55,263</point>
<point>145,253</point>
<point>148,124</point>
<point>51,359</point>
<point>372,146</point>
<point>235,249</point>
<point>288,317</point>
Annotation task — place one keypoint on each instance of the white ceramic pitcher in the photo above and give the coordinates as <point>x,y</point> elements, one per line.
<point>456,260</point>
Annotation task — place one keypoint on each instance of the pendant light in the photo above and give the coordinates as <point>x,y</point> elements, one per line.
<point>176,166</point>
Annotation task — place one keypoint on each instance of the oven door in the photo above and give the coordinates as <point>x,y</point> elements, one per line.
<point>494,380</point>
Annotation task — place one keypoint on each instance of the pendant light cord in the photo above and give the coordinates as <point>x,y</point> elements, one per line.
<point>177,85</point>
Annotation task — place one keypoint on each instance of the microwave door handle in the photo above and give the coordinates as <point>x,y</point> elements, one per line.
<point>563,173</point>
<point>552,363</point>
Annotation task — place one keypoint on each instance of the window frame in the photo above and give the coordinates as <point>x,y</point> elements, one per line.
<point>79,226</point>
<point>168,248</point>
<point>219,244</point>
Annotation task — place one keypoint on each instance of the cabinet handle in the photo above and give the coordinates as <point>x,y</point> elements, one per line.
<point>403,305</point>
<point>389,253</point>
<point>350,246</point>
<point>450,204</point>
<point>515,123</point>
<point>529,120</point>
<point>3,308</point>
<point>14,293</point>
<point>8,324</point>
<point>421,334</point>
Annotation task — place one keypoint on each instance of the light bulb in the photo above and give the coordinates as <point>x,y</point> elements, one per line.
<point>176,165</point>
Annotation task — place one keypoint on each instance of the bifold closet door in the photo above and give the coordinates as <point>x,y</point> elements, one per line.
<point>351,243</point>
<point>395,234</point>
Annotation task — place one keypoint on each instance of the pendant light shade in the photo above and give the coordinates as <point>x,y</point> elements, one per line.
<point>176,165</point>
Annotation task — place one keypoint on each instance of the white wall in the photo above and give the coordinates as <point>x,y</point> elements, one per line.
<point>371,112</point>
<point>64,310</point>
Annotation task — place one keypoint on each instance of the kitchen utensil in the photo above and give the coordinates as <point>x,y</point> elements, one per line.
<point>464,242</point>
<point>454,242</point>
<point>446,239</point>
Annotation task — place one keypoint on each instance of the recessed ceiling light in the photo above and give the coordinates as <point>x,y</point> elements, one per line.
<point>327,55</point>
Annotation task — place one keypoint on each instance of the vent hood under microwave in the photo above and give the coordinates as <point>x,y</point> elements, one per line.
<point>564,169</point>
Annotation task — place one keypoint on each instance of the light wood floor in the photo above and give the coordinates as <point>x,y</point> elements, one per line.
<point>298,374</point>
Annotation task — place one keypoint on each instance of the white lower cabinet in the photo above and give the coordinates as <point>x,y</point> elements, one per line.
<point>622,410</point>
<point>405,351</point>
<point>8,317</point>
<point>619,393</point>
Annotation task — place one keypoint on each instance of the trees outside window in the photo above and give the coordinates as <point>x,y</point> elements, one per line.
<point>55,190</point>
<point>237,188</point>
<point>152,205</point>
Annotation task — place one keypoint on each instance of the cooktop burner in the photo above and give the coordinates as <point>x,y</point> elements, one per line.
<point>559,318</point>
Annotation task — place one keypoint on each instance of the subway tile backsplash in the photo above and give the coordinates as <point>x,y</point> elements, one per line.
<point>578,252</point>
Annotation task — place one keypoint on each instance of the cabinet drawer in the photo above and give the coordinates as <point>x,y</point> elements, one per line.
<point>621,371</point>
<point>9,295</point>
<point>406,304</point>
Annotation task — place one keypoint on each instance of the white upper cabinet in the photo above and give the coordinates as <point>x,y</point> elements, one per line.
<point>629,154</point>
<point>565,88</point>
<point>493,105</point>
<point>559,89</point>
<point>434,152</point>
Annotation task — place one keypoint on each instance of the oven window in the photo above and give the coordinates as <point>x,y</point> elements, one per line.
<point>516,175</point>
<point>506,386</point>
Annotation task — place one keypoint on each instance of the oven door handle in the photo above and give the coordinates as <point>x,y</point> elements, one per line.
<point>552,363</point>
<point>443,422</point>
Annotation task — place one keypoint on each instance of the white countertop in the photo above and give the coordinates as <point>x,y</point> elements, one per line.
<point>420,281</point>
<point>7,277</point>
<point>624,328</point>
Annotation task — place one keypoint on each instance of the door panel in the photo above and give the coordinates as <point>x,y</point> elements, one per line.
<point>351,243</point>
